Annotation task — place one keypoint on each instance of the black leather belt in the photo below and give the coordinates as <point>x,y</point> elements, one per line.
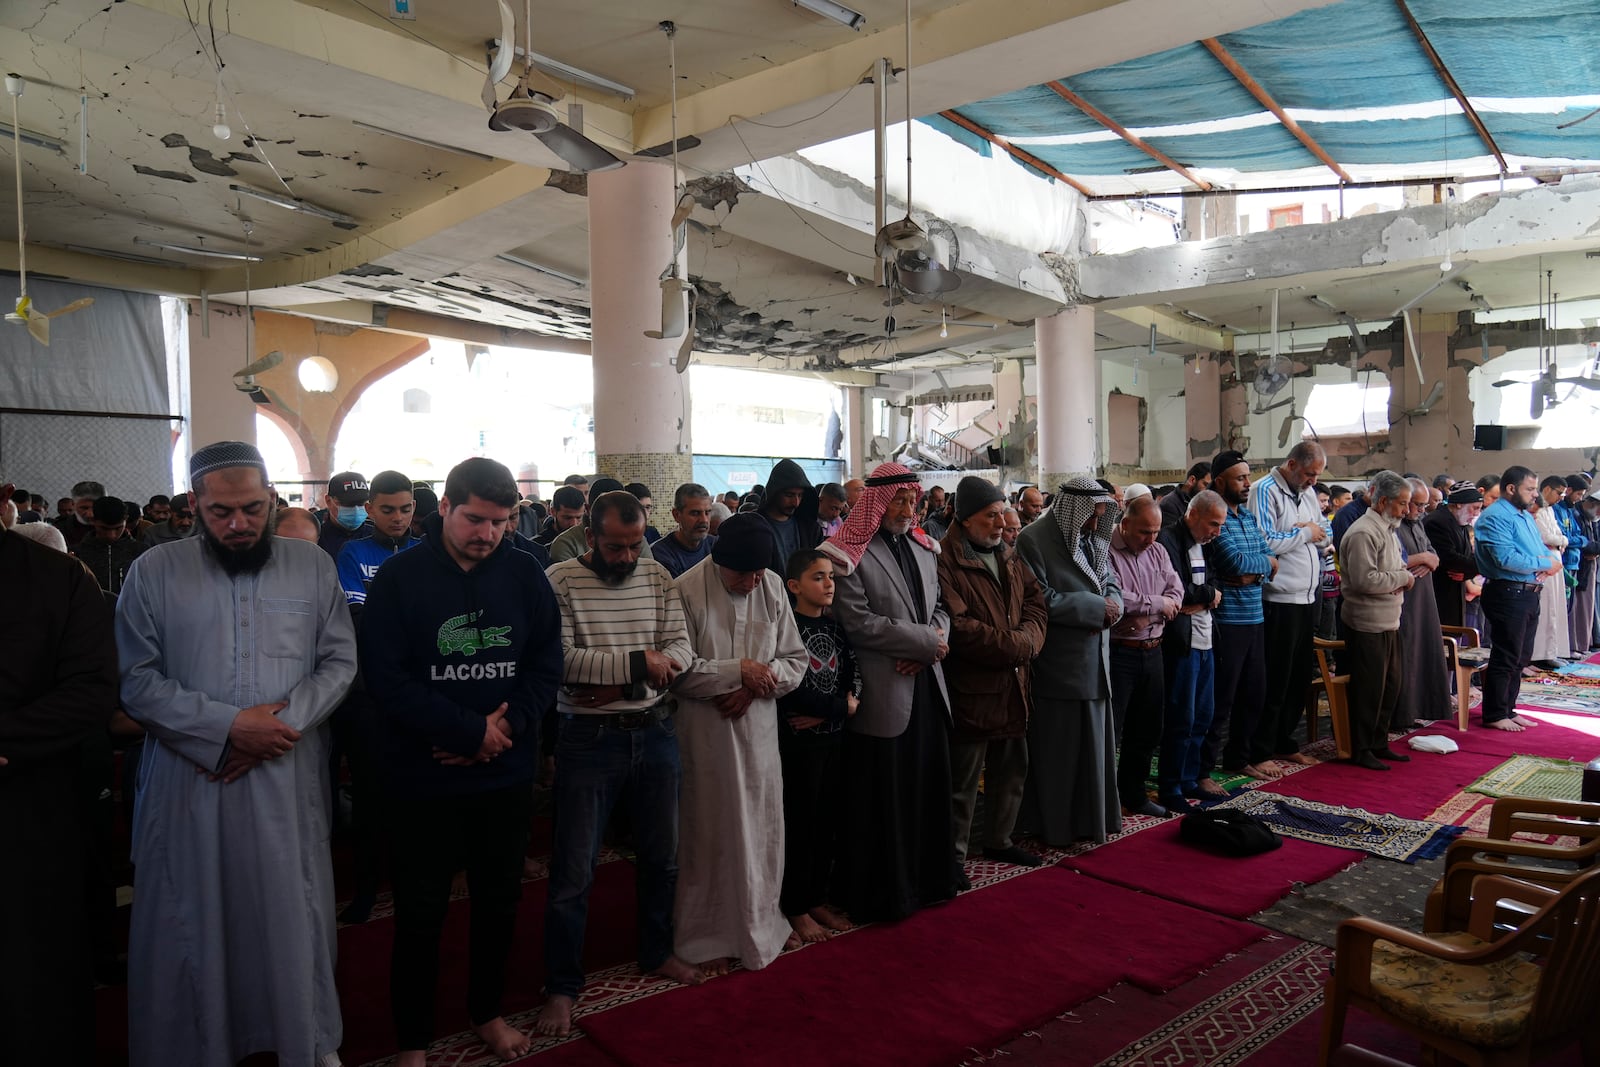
<point>1514,586</point>
<point>624,720</point>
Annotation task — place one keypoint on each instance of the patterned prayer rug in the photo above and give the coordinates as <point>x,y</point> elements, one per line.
<point>1233,1025</point>
<point>1388,836</point>
<point>1394,893</point>
<point>1581,670</point>
<point>1559,696</point>
<point>1532,776</point>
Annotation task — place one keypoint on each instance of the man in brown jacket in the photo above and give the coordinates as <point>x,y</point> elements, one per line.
<point>1374,580</point>
<point>997,619</point>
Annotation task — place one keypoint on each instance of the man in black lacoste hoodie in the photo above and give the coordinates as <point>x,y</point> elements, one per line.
<point>461,652</point>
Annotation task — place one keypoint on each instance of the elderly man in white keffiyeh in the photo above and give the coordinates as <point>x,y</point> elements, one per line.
<point>1071,793</point>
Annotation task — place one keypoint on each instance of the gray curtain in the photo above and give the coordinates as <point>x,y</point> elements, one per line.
<point>110,358</point>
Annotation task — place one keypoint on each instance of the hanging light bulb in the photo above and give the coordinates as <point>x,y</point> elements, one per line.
<point>221,130</point>
<point>944,324</point>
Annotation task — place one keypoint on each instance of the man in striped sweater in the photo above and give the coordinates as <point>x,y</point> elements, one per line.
<point>623,639</point>
<point>1240,561</point>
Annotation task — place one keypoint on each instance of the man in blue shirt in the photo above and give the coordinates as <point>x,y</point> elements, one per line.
<point>1239,560</point>
<point>692,540</point>
<point>1514,560</point>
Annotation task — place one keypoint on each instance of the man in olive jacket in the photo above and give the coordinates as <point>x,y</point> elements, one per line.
<point>997,622</point>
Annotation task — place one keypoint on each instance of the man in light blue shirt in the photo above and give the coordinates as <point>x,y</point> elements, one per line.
<point>1513,560</point>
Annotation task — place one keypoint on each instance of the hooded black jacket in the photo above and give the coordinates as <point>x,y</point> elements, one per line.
<point>441,648</point>
<point>788,475</point>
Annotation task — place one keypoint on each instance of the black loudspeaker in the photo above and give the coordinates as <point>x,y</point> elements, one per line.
<point>1489,438</point>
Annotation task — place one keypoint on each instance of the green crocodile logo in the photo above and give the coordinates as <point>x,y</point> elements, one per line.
<point>458,635</point>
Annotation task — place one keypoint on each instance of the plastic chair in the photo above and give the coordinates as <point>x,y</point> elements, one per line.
<point>1553,866</point>
<point>1336,686</point>
<point>1463,665</point>
<point>1479,997</point>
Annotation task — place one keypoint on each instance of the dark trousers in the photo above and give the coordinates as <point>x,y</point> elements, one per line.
<point>1289,630</point>
<point>1241,682</point>
<point>1512,609</point>
<point>355,741</point>
<point>1002,764</point>
<point>1374,665</point>
<point>599,764</point>
<point>812,811</point>
<point>431,838</point>
<point>1138,694</point>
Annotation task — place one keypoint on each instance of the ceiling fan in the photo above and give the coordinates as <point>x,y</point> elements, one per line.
<point>918,264</point>
<point>679,298</point>
<point>531,105</point>
<point>244,379</point>
<point>25,314</point>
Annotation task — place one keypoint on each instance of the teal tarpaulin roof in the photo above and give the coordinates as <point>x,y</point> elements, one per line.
<point>1352,74</point>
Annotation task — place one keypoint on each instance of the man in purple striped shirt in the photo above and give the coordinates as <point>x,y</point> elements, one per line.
<point>1151,596</point>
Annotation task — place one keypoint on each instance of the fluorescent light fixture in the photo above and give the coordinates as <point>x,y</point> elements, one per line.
<point>422,141</point>
<point>195,250</point>
<point>837,12</point>
<point>37,140</point>
<point>542,269</point>
<point>294,203</point>
<point>130,257</point>
<point>571,73</point>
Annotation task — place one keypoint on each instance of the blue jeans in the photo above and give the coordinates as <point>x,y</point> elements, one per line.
<point>1190,707</point>
<point>594,764</point>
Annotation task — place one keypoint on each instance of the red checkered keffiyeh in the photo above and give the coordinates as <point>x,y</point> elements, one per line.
<point>848,545</point>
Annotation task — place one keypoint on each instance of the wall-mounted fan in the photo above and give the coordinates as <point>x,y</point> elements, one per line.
<point>531,105</point>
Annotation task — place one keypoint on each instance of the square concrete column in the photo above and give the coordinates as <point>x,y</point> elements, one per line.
<point>1202,407</point>
<point>856,431</point>
<point>218,411</point>
<point>641,403</point>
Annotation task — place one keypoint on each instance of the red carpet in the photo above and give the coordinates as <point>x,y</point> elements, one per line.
<point>1155,861</point>
<point>1411,790</point>
<point>1561,735</point>
<point>965,974</point>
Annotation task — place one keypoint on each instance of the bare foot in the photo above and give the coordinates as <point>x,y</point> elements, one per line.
<point>1521,720</point>
<point>792,942</point>
<point>1509,725</point>
<point>679,971</point>
<point>806,928</point>
<point>1211,788</point>
<point>829,919</point>
<point>503,1039</point>
<point>717,968</point>
<point>533,869</point>
<point>555,1018</point>
<point>1299,757</point>
<point>415,1057</point>
<point>1261,772</point>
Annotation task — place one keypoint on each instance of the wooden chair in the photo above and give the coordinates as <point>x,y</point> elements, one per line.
<point>1463,665</point>
<point>1477,996</point>
<point>1450,903</point>
<point>1335,685</point>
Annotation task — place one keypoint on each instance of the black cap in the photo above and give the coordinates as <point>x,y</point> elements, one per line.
<point>973,494</point>
<point>349,488</point>
<point>744,543</point>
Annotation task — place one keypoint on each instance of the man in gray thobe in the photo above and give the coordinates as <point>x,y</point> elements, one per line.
<point>235,648</point>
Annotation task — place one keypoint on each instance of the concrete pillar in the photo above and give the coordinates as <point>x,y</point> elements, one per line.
<point>641,403</point>
<point>1069,395</point>
<point>1202,408</point>
<point>218,411</point>
<point>856,431</point>
<point>1426,443</point>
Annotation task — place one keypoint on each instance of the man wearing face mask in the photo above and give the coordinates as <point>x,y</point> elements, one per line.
<point>1449,530</point>
<point>345,516</point>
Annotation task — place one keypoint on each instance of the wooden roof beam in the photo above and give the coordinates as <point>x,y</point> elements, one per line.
<point>1016,153</point>
<point>1450,83</point>
<point>1256,90</point>
<point>1105,120</point>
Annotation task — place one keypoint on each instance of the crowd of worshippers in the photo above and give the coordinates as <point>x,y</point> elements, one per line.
<point>784,706</point>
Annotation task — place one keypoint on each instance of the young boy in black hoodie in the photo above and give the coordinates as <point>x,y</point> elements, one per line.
<point>810,744</point>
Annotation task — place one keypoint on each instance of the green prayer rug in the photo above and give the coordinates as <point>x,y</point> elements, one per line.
<point>1532,776</point>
